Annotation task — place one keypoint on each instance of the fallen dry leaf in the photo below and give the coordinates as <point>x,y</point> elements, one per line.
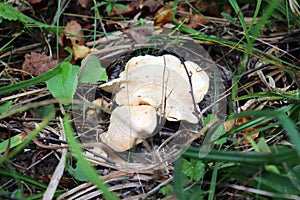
<point>153,5</point>
<point>84,3</point>
<point>75,32</point>
<point>208,7</point>
<point>34,1</point>
<point>37,63</point>
<point>247,132</point>
<point>196,21</point>
<point>141,34</point>
<point>80,51</point>
<point>131,9</point>
<point>164,15</point>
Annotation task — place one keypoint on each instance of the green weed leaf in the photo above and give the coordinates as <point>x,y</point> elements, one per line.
<point>228,17</point>
<point>79,172</point>
<point>63,85</point>
<point>7,11</point>
<point>166,190</point>
<point>5,107</point>
<point>123,7</point>
<point>194,169</point>
<point>93,71</point>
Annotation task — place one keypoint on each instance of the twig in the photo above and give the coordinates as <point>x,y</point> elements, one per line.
<point>154,190</point>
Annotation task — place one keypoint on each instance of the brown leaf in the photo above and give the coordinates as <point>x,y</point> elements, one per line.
<point>37,63</point>
<point>38,4</point>
<point>34,1</point>
<point>75,33</point>
<point>83,3</point>
<point>245,133</point>
<point>153,5</point>
<point>80,51</point>
<point>164,15</point>
<point>131,9</point>
<point>208,7</point>
<point>141,34</point>
<point>197,20</point>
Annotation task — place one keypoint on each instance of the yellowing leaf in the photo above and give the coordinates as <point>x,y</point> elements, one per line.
<point>80,51</point>
<point>14,141</point>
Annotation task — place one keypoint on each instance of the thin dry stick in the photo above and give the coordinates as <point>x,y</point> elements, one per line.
<point>59,170</point>
<point>22,94</point>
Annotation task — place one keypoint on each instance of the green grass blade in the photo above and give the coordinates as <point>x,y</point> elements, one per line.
<point>28,139</point>
<point>14,141</point>
<point>27,107</point>
<point>266,15</point>
<point>93,176</point>
<point>244,157</point>
<point>283,119</point>
<point>22,84</point>
<point>237,9</point>
<point>26,179</point>
<point>268,181</point>
<point>213,184</point>
<point>178,179</point>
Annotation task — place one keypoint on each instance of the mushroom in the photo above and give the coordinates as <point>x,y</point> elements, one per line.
<point>164,89</point>
<point>128,126</point>
<point>199,78</point>
<point>157,85</point>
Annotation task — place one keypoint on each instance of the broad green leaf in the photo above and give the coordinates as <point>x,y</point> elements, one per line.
<point>7,11</point>
<point>5,107</point>
<point>93,71</point>
<point>63,85</point>
<point>79,172</point>
<point>194,169</point>
<point>218,132</point>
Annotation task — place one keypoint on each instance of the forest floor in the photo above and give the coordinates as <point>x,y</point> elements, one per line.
<point>64,132</point>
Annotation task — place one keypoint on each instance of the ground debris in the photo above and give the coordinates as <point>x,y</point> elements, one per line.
<point>37,63</point>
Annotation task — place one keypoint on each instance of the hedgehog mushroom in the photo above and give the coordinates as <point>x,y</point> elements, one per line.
<point>156,85</point>
<point>128,125</point>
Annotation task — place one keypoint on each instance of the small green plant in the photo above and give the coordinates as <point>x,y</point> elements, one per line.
<point>110,5</point>
<point>193,169</point>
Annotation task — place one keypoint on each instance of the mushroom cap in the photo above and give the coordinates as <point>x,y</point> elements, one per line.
<point>128,125</point>
<point>149,87</point>
<point>160,87</point>
<point>199,78</point>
